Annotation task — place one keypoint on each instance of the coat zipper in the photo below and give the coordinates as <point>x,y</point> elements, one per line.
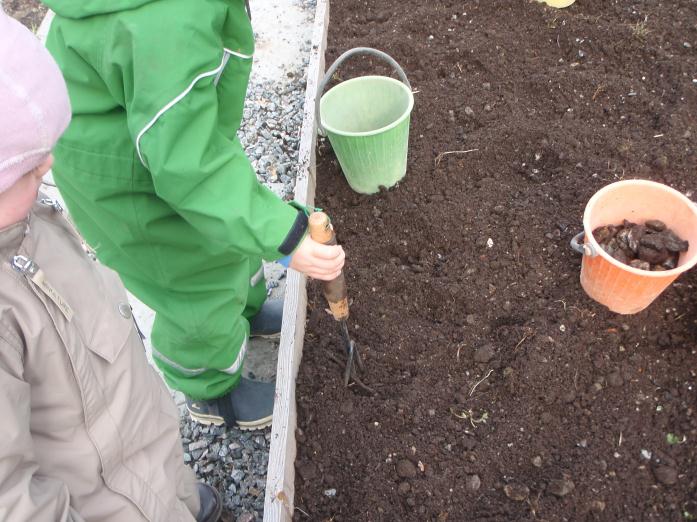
<point>33,273</point>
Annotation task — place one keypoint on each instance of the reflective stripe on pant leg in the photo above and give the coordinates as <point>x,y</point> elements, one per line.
<point>189,372</point>
<point>237,365</point>
<point>192,372</point>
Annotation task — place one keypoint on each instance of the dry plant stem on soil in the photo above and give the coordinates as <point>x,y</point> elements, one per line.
<point>600,90</point>
<point>469,415</point>
<point>443,154</point>
<point>525,337</point>
<point>480,381</point>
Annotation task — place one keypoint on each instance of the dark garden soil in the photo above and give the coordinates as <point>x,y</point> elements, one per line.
<point>503,391</point>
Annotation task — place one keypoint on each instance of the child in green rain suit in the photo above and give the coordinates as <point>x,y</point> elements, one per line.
<point>158,184</point>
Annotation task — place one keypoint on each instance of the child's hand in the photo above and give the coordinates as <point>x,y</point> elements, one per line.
<point>317,260</point>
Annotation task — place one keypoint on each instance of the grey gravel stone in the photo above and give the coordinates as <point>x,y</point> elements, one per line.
<point>196,454</point>
<point>199,444</point>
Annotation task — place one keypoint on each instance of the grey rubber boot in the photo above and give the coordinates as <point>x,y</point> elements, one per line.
<point>249,406</point>
<point>211,503</point>
<point>267,323</point>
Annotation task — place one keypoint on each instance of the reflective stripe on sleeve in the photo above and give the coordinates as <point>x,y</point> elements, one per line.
<point>215,72</point>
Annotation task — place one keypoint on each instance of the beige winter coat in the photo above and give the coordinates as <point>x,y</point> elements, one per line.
<point>87,429</point>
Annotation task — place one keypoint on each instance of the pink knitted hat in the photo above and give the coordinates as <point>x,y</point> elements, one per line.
<point>34,105</point>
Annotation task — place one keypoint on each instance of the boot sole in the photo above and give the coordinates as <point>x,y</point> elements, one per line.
<point>208,420</point>
<point>255,425</point>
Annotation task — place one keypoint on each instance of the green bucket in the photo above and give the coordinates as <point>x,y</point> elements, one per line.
<point>367,122</point>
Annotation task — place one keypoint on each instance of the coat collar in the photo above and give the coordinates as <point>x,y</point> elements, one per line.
<point>11,237</point>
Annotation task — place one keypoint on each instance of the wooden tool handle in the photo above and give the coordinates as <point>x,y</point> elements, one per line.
<point>321,230</point>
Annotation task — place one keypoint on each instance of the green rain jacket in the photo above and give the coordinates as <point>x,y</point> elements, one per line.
<point>156,179</point>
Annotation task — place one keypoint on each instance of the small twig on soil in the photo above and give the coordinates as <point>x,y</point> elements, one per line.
<point>459,347</point>
<point>526,336</point>
<point>479,382</point>
<point>600,90</point>
<point>619,443</point>
<point>306,514</point>
<point>442,154</point>
<point>582,311</point>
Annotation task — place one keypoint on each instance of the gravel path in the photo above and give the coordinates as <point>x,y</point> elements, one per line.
<point>232,461</point>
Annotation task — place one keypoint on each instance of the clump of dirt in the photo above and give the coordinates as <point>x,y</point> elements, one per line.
<point>651,246</point>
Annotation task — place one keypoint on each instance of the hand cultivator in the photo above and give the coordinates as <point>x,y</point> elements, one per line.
<point>321,230</point>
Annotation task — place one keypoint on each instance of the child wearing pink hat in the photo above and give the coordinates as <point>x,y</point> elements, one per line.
<point>71,361</point>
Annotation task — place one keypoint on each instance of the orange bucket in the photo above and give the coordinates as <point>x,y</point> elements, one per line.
<point>622,288</point>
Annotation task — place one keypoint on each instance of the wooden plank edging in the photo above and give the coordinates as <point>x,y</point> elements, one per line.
<point>280,479</point>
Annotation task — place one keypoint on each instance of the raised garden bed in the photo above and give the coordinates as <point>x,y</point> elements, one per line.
<point>503,391</point>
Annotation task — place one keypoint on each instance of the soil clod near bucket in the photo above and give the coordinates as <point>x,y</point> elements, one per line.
<point>651,246</point>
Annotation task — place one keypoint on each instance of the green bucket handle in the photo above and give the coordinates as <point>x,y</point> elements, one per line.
<point>356,50</point>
